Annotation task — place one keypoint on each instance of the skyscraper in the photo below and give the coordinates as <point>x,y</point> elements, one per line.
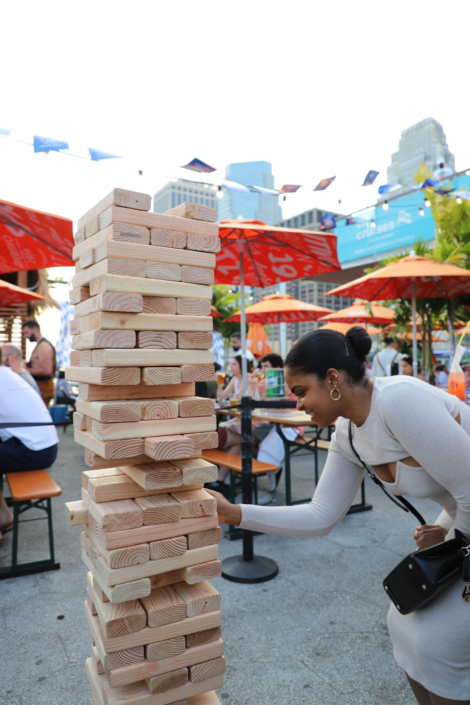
<point>253,206</point>
<point>176,192</point>
<point>425,143</point>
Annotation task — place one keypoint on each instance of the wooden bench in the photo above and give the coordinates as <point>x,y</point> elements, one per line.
<point>31,490</point>
<point>234,463</point>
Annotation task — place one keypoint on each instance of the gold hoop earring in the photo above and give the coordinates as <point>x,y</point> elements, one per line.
<point>335,389</point>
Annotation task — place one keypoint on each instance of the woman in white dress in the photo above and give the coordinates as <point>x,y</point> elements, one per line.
<point>417,439</point>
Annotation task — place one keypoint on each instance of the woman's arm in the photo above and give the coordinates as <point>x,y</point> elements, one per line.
<point>228,389</point>
<point>335,493</point>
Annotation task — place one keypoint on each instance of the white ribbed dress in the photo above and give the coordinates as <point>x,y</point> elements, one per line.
<point>408,418</point>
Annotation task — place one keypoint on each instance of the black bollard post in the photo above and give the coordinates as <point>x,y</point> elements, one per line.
<point>248,568</point>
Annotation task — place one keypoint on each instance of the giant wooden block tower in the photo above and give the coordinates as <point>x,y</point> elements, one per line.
<point>141,339</point>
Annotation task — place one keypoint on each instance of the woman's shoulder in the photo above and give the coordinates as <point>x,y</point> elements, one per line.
<point>392,393</point>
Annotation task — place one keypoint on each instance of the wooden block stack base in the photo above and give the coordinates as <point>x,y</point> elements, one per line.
<point>141,341</point>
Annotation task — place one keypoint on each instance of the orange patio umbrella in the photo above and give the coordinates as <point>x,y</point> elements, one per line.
<point>280,308</point>
<point>409,278</point>
<point>257,340</point>
<point>11,294</point>
<point>362,312</point>
<point>344,327</point>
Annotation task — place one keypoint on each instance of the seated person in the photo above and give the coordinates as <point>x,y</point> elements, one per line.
<point>25,447</point>
<point>406,364</point>
<point>235,386</point>
<point>13,358</point>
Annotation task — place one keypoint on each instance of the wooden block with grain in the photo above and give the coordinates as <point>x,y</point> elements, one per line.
<point>118,197</point>
<point>116,231</point>
<point>159,532</point>
<point>202,243</point>
<point>196,504</point>
<point>195,340</point>
<point>204,441</point>
<point>117,620</point>
<point>164,606</point>
<point>122,303</point>
<point>195,211</point>
<point>109,376</point>
<point>117,594</point>
<point>98,665</point>
<point>111,265</point>
<point>115,214</point>
<point>204,538</point>
<point>164,340</point>
<point>199,599</point>
<point>165,272</point>
<point>155,476</point>
<point>76,513</point>
<point>195,406</point>
<point>150,254</point>
<point>159,409</point>
<point>207,636</point>
<point>167,681</point>
<point>96,462</point>
<point>79,421</point>
<point>115,516</point>
<point>193,307</point>
<point>168,547</point>
<point>80,358</point>
<point>92,226</point>
<point>161,376</point>
<point>108,450</point>
<point>110,489</point>
<point>104,339</point>
<point>87,258</point>
<point>147,287</point>
<point>91,392</point>
<point>110,320</point>
<point>196,470</point>
<point>90,475</point>
<point>164,305</point>
<point>197,373</point>
<point>159,509</point>
<point>208,669</point>
<point>148,429</point>
<point>197,275</point>
<point>111,411</point>
<point>167,238</point>
<point>117,659</point>
<point>79,294</point>
<point>88,424</point>
<point>150,357</point>
<point>165,649</point>
<point>117,557</point>
<point>80,235</point>
<point>203,571</point>
<point>169,447</point>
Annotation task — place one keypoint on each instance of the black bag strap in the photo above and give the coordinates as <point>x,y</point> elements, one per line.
<point>405,505</point>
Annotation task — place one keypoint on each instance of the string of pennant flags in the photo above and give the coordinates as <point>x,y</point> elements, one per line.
<point>439,183</point>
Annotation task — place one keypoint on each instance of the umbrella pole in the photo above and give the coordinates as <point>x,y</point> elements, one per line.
<point>243,318</point>
<point>415,342</point>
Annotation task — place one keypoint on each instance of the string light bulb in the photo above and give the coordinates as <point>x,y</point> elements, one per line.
<point>385,206</point>
<point>372,223</point>
<point>421,212</point>
<point>427,203</point>
<point>220,193</point>
<point>458,200</point>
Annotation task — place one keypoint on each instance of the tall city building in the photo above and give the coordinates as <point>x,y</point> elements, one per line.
<point>252,206</point>
<point>425,143</point>
<point>176,192</point>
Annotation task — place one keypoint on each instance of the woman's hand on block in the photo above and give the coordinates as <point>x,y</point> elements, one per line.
<point>228,513</point>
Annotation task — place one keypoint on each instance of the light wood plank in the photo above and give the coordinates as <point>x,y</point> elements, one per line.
<point>158,652</point>
<point>159,409</point>
<point>204,538</point>
<point>152,357</point>
<point>160,304</point>
<point>208,669</point>
<point>202,571</point>
<point>208,636</point>
<point>91,475</point>
<point>204,441</point>
<point>76,513</point>
<point>197,373</point>
<point>116,659</point>
<point>195,406</point>
<point>112,266</point>
<point>119,539</point>
<point>168,547</point>
<point>193,307</point>
<point>87,258</point>
<point>203,243</point>
<point>118,376</point>
<point>110,489</point>
<point>147,287</point>
<point>195,340</point>
<point>196,211</point>
<point>115,516</point>
<point>98,666</point>
<point>110,449</point>
<point>110,411</point>
<point>79,421</point>
<point>164,606</point>
<point>168,681</point>
<point>118,197</point>
<point>195,504</point>
<point>116,231</point>
<point>155,476</point>
<point>109,320</point>
<point>90,392</point>
<point>80,358</point>
<point>175,447</point>
<point>118,557</point>
<point>126,303</point>
<point>164,376</point>
<point>119,593</point>
<point>149,429</point>
<point>79,294</point>
<point>167,238</point>
<point>197,471</point>
<point>197,275</point>
<point>159,509</point>
<point>96,462</point>
<point>158,220</point>
<point>117,620</point>
<point>165,340</point>
<point>92,226</point>
<point>79,236</point>
<point>151,253</point>
<point>105,339</point>
<point>199,599</point>
<point>164,272</point>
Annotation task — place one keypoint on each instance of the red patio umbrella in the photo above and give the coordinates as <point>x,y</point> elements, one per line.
<point>31,239</point>
<point>11,294</point>
<point>262,255</point>
<point>215,313</point>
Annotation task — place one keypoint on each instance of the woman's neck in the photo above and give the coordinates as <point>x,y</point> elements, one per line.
<point>358,402</point>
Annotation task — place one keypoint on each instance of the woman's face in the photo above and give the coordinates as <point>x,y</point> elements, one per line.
<point>406,368</point>
<point>235,367</point>
<point>313,395</point>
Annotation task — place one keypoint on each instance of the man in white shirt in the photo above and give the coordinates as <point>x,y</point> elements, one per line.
<point>13,359</point>
<point>25,447</point>
<point>387,361</point>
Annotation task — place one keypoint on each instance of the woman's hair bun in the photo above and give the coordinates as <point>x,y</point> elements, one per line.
<point>360,342</point>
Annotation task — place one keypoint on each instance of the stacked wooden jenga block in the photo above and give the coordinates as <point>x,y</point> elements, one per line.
<point>142,338</point>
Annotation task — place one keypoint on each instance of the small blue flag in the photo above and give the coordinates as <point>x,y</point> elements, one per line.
<point>370,178</point>
<point>328,222</point>
<point>386,188</point>
<point>48,144</point>
<point>428,183</point>
<point>96,155</point>
<point>4,131</point>
<point>324,183</point>
<point>350,221</point>
<point>200,166</point>
<point>265,191</point>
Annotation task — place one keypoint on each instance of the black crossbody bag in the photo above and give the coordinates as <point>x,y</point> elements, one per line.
<point>422,575</point>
